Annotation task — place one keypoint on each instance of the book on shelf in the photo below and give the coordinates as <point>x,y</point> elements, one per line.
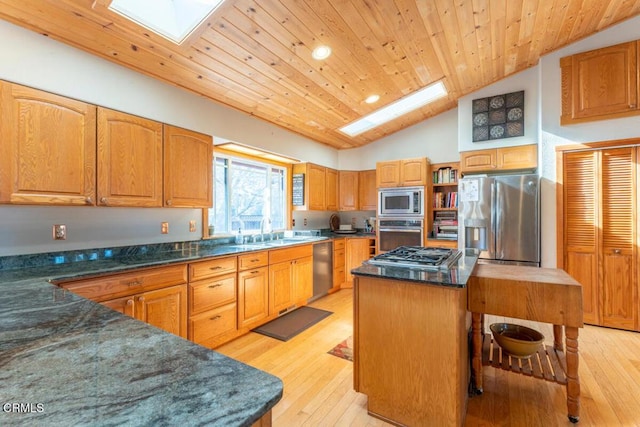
<point>445,199</point>
<point>446,175</point>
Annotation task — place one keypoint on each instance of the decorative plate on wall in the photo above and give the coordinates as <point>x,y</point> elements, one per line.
<point>499,116</point>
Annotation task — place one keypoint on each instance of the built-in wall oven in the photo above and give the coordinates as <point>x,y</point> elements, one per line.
<point>399,231</point>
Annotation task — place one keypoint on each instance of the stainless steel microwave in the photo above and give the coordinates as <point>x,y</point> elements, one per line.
<point>401,201</point>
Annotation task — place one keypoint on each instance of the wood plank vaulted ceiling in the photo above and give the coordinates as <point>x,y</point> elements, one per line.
<point>255,55</point>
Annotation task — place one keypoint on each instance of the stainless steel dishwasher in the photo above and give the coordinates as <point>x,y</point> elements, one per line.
<point>322,269</point>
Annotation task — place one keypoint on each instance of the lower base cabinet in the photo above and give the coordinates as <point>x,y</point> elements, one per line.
<point>253,291</point>
<point>205,328</point>
<point>290,277</point>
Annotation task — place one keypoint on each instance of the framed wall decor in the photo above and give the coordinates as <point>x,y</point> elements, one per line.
<point>497,117</point>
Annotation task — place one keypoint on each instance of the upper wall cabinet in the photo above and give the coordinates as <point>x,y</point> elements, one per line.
<point>332,183</point>
<point>188,168</point>
<point>367,194</point>
<point>521,157</point>
<point>47,148</point>
<point>129,160</point>
<point>402,173</point>
<point>349,191</point>
<point>600,84</point>
<point>321,187</point>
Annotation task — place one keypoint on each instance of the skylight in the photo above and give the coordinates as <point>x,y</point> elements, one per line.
<point>396,109</point>
<point>173,19</point>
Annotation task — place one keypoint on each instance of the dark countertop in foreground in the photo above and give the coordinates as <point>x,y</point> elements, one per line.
<point>456,277</point>
<point>66,360</point>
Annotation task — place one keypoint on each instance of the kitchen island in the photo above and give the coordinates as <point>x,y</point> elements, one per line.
<point>411,352</point>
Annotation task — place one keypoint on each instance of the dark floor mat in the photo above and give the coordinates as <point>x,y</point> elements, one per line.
<point>291,324</point>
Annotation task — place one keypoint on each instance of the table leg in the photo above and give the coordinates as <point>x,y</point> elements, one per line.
<point>573,382</point>
<point>557,338</point>
<point>476,361</point>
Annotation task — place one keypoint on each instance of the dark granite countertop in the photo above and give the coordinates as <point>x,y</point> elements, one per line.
<point>66,360</point>
<point>455,277</point>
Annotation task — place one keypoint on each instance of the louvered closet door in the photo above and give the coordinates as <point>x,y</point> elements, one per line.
<point>619,290</point>
<point>581,227</point>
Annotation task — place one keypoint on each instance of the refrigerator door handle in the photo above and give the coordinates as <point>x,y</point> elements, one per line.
<point>498,209</point>
<point>491,244</point>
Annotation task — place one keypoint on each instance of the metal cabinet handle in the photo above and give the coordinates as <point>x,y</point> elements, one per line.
<point>135,282</point>
<point>217,285</point>
<point>169,202</point>
<point>255,260</point>
<point>255,272</point>
<point>617,251</point>
<point>88,200</point>
<point>217,267</point>
<point>129,302</point>
<point>215,317</point>
<point>103,200</point>
<point>141,299</point>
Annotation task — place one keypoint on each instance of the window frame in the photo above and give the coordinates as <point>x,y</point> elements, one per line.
<point>233,154</point>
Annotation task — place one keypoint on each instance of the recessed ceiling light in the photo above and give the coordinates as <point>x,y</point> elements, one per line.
<point>372,98</point>
<point>396,109</point>
<point>321,52</point>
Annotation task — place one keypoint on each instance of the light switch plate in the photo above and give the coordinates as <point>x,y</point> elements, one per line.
<point>164,228</point>
<point>192,226</point>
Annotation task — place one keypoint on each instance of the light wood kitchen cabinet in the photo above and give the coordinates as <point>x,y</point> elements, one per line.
<point>129,156</point>
<point>212,301</point>
<point>315,186</point>
<point>157,296</point>
<point>47,148</point>
<point>339,276</point>
<point>290,277</point>
<point>442,207</point>
<point>521,157</point>
<point>349,190</point>
<point>332,189</point>
<point>600,84</point>
<point>188,168</point>
<point>402,173</point>
<point>357,250</point>
<point>367,193</point>
<point>599,232</point>
<point>253,289</point>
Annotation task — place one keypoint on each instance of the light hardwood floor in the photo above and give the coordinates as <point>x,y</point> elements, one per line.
<point>318,387</point>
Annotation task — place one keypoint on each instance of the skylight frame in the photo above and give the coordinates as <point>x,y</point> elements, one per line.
<point>174,20</point>
<point>396,109</point>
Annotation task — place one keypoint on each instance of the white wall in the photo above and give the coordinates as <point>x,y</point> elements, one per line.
<point>38,61</point>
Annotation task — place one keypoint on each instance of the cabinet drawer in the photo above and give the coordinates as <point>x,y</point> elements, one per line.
<point>338,258</point>
<point>338,244</point>
<point>253,260</point>
<point>288,254</point>
<point>210,324</point>
<point>118,285</point>
<point>211,293</point>
<point>210,268</point>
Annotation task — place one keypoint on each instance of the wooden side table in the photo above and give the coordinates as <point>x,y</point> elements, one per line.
<point>530,293</point>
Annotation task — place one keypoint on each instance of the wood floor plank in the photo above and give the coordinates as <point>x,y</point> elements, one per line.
<point>318,387</point>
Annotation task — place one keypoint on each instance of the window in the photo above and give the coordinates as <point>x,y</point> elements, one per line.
<point>246,192</point>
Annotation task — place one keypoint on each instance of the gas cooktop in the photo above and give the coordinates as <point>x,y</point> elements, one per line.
<point>418,257</point>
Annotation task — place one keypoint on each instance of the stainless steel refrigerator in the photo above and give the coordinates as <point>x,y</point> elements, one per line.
<point>500,216</point>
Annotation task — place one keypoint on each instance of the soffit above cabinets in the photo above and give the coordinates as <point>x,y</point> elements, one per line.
<point>255,55</point>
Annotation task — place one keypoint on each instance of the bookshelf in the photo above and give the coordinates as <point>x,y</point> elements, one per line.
<point>442,219</point>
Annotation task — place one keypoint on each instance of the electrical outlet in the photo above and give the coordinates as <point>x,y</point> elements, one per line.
<point>192,226</point>
<point>59,232</point>
<point>293,222</point>
<point>305,221</point>
<point>164,228</point>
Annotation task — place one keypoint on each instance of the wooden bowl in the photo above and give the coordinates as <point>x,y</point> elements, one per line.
<point>517,340</point>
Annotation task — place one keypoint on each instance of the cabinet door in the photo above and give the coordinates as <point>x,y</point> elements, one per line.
<point>619,297</point>
<point>349,191</point>
<point>164,308</point>
<point>47,148</point>
<point>253,296</point>
<point>388,173</point>
<point>580,186</point>
<point>332,189</point>
<point>478,160</point>
<point>129,160</point>
<point>317,187</point>
<point>367,194</point>
<point>604,81</point>
<point>413,172</point>
<point>280,287</point>
<point>357,251</point>
<point>122,305</point>
<point>519,157</point>
<point>188,168</point>
<point>302,278</point>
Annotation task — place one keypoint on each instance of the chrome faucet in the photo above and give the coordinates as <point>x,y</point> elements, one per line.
<point>265,224</point>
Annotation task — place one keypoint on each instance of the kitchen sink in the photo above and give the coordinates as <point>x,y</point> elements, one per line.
<point>275,243</point>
